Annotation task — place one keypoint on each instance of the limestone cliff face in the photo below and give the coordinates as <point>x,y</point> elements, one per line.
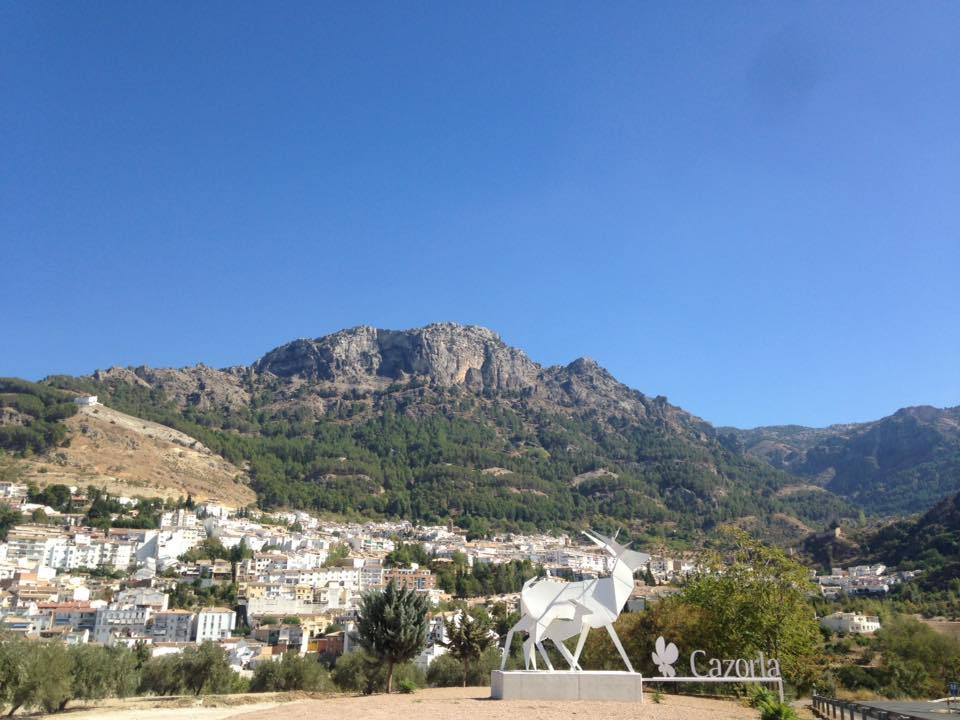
<point>446,354</point>
<point>315,374</point>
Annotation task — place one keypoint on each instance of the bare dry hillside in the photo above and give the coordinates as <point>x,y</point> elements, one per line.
<point>131,456</point>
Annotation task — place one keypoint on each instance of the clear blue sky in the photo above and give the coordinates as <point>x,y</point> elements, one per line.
<point>752,208</point>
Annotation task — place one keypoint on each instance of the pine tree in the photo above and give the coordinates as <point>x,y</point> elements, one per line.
<point>393,625</point>
<point>467,638</point>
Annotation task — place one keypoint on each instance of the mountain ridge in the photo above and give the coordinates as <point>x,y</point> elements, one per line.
<point>901,463</point>
<point>393,421</point>
<point>410,423</point>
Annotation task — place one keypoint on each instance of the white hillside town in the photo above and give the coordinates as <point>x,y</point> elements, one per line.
<point>296,580</point>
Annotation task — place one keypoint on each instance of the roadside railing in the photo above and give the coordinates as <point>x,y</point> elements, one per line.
<point>831,708</point>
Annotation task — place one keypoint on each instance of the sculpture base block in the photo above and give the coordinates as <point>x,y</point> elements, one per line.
<point>566,685</point>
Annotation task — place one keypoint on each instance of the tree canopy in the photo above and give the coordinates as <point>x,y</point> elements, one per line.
<point>392,625</point>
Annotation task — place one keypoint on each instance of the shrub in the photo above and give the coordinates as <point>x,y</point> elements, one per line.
<point>777,710</point>
<point>406,686</point>
<point>292,672</point>
<point>758,696</point>
<point>35,675</point>
<point>161,676</point>
<point>199,670</point>
<point>445,671</point>
<point>356,672</point>
<point>359,672</point>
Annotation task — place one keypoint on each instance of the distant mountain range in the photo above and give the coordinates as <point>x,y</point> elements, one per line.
<point>449,422</point>
<point>899,464</point>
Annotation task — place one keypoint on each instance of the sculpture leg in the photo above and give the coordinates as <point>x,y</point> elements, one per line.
<point>583,638</point>
<point>546,657</point>
<point>529,657</point>
<point>616,641</point>
<point>506,650</point>
<point>574,665</point>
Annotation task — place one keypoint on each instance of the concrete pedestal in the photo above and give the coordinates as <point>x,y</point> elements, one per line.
<point>566,685</point>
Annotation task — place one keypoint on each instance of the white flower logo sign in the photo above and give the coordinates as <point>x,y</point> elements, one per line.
<point>664,657</point>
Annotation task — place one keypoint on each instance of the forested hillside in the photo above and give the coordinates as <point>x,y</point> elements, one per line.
<point>897,465</point>
<point>930,542</point>
<point>30,415</point>
<point>448,422</point>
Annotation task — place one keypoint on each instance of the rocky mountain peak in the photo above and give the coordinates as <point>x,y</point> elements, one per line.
<point>584,365</point>
<point>445,353</point>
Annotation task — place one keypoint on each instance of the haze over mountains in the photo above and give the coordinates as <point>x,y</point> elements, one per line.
<point>447,421</point>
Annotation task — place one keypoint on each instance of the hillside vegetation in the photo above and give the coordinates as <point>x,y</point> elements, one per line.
<point>449,422</point>
<point>30,415</point>
<point>897,465</point>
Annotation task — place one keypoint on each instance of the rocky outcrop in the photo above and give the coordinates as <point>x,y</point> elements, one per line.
<point>446,354</point>
<point>199,386</point>
<point>313,374</point>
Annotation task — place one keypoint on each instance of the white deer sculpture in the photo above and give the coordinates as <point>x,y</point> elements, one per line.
<point>556,610</point>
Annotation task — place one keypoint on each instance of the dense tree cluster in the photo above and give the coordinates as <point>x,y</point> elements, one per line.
<point>433,454</point>
<point>39,410</point>
<point>293,672</point>
<point>905,658</point>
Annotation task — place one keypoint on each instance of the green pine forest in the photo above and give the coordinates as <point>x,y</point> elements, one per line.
<point>420,452</point>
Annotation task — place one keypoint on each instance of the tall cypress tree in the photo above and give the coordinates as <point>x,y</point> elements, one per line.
<point>393,625</point>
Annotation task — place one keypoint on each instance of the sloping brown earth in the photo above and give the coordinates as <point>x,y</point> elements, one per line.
<point>130,456</point>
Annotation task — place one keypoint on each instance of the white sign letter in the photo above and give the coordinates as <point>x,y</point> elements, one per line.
<point>693,662</point>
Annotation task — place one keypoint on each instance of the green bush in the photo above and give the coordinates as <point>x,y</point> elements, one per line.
<point>773,709</point>
<point>100,672</point>
<point>199,670</point>
<point>292,672</point>
<point>758,696</point>
<point>161,676</point>
<point>359,672</point>
<point>356,672</point>
<point>406,686</point>
<point>445,671</point>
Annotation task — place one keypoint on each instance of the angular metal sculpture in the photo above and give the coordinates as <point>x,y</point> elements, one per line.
<point>555,610</point>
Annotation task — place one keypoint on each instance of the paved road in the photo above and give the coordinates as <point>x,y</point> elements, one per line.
<point>926,710</point>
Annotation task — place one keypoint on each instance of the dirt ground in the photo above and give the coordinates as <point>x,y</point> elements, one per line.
<point>431,704</point>
<point>129,456</point>
<point>950,628</point>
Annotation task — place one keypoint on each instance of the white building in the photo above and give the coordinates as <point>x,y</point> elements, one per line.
<point>120,622</point>
<point>156,599</point>
<point>85,400</point>
<point>180,518</point>
<point>371,574</point>
<point>173,626</point>
<point>851,623</point>
<point>216,623</point>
